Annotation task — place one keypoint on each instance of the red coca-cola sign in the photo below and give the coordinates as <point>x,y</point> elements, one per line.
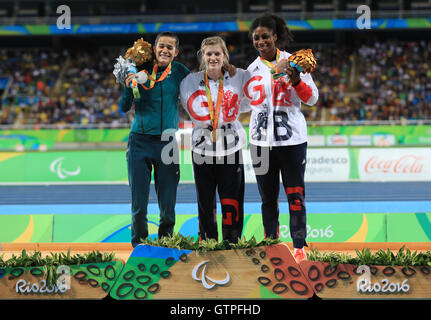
<point>407,164</point>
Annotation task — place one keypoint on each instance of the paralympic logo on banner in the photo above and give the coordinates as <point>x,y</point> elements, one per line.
<point>57,167</point>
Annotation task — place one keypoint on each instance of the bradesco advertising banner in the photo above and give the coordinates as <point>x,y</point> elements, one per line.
<point>327,165</point>
<point>322,165</point>
<point>394,164</point>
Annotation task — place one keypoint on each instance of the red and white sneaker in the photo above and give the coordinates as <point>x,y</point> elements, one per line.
<point>299,255</point>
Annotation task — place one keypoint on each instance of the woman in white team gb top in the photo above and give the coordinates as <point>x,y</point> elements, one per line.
<point>278,131</point>
<point>212,98</point>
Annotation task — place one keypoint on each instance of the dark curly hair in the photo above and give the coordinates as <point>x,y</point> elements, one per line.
<point>276,24</point>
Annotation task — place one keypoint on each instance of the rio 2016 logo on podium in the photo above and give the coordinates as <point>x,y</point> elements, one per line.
<point>61,286</point>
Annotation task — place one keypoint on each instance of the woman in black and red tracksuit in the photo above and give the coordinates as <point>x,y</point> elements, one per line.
<point>278,130</point>
<point>212,99</point>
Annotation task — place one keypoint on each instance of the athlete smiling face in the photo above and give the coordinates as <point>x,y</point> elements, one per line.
<point>213,57</point>
<point>264,40</point>
<point>165,50</point>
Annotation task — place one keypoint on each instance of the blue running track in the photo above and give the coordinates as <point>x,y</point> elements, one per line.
<point>346,197</point>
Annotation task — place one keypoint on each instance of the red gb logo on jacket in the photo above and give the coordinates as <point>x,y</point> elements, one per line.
<point>202,116</point>
<point>198,107</point>
<point>230,106</point>
<point>281,91</point>
<point>260,89</point>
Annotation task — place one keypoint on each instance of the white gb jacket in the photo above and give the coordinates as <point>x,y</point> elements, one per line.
<point>276,118</point>
<point>231,136</point>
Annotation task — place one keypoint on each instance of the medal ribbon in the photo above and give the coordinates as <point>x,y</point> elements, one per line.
<point>153,76</point>
<point>269,64</point>
<point>214,116</point>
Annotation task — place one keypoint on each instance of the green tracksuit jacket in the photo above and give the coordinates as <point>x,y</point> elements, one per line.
<point>157,110</point>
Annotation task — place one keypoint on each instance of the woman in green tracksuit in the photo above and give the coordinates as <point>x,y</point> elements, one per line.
<point>156,113</point>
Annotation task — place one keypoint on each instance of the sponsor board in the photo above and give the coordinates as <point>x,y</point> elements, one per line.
<point>383,140</point>
<point>395,164</point>
<point>401,135</point>
<point>360,140</point>
<point>327,165</point>
<point>323,165</point>
<point>424,140</point>
<point>316,140</point>
<point>338,140</point>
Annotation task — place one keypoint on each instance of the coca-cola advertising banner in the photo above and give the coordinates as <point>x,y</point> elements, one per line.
<point>394,164</point>
<point>361,164</point>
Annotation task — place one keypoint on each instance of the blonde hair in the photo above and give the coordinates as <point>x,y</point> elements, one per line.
<point>211,41</point>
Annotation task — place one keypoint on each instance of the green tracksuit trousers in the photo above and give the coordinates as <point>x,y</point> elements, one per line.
<point>145,153</point>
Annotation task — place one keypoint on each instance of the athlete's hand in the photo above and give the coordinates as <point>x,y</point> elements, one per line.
<point>129,78</point>
<point>293,75</point>
<point>282,66</point>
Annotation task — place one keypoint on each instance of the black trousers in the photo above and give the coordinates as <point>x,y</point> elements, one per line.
<point>290,161</point>
<point>215,174</point>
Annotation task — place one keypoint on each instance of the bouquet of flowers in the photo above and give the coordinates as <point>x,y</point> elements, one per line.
<point>135,56</point>
<point>303,60</point>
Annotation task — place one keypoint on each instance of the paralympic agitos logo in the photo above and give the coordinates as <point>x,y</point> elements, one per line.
<point>57,167</point>
<point>207,282</point>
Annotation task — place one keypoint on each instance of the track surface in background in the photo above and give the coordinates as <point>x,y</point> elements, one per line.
<point>353,197</point>
<point>120,194</point>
